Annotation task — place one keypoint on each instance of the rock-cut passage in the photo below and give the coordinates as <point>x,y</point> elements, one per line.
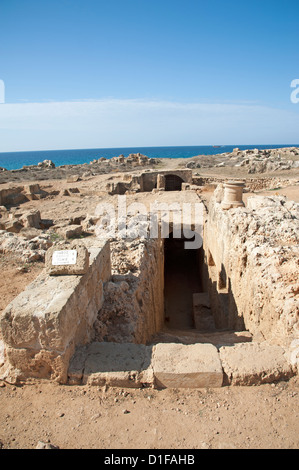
<point>181,281</point>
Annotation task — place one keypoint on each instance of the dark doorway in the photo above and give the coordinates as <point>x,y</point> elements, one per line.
<point>173,183</point>
<point>181,281</point>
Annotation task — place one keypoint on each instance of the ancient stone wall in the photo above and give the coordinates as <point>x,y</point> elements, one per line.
<point>42,326</point>
<point>251,255</point>
<point>133,309</point>
<point>148,181</point>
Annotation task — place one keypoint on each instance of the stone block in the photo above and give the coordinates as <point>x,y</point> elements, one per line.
<point>160,181</point>
<point>67,258</point>
<point>41,327</point>
<point>70,231</point>
<point>254,363</point>
<point>31,219</point>
<point>115,364</point>
<point>12,225</point>
<point>186,366</point>
<point>32,188</point>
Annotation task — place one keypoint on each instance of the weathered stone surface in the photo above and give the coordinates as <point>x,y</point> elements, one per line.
<point>202,315</point>
<point>232,196</point>
<point>46,164</point>
<point>253,251</point>
<point>114,364</point>
<point>187,366</point>
<point>134,302</point>
<point>31,218</point>
<point>32,188</point>
<point>45,445</point>
<point>160,181</point>
<point>12,225</point>
<point>12,196</point>
<point>255,363</point>
<point>70,231</point>
<point>27,247</point>
<point>82,259</point>
<point>41,327</point>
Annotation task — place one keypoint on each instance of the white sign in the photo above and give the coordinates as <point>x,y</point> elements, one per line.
<point>64,257</point>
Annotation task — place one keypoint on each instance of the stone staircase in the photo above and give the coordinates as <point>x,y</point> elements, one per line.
<point>181,359</point>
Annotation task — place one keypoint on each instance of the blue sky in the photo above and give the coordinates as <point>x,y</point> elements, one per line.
<point>95,73</point>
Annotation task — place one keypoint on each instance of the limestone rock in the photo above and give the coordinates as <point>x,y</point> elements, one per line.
<point>12,225</point>
<point>187,366</point>
<point>45,445</point>
<point>255,363</point>
<point>70,231</point>
<point>113,364</point>
<point>219,193</point>
<point>31,219</point>
<point>42,325</point>
<point>32,188</point>
<point>257,260</point>
<point>46,164</point>
<point>73,179</point>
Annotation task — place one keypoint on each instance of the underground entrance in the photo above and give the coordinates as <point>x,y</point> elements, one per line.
<point>181,282</point>
<point>173,183</point>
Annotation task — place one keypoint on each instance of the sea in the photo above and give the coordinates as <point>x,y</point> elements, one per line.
<point>16,160</point>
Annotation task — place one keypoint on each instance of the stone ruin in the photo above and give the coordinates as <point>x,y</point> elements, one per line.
<point>145,312</point>
<point>152,181</point>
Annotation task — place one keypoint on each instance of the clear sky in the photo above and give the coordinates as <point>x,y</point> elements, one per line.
<point>93,73</point>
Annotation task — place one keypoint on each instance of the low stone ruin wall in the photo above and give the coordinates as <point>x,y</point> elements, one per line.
<point>18,194</point>
<point>252,184</point>
<point>42,326</point>
<point>148,181</point>
<point>251,254</point>
<point>133,309</point>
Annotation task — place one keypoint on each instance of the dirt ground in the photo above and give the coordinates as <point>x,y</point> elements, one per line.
<point>81,417</point>
<point>16,275</point>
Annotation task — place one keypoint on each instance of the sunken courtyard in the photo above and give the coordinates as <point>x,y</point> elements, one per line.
<point>161,278</point>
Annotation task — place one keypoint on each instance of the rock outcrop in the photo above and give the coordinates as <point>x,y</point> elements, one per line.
<point>252,255</point>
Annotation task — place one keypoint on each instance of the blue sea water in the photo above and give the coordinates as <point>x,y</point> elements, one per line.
<point>16,160</point>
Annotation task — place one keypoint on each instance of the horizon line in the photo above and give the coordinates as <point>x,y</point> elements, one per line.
<point>150,147</point>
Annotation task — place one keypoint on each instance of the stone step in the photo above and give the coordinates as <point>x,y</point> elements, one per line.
<point>187,366</point>
<point>178,365</point>
<point>192,336</point>
<point>114,364</point>
<point>137,365</point>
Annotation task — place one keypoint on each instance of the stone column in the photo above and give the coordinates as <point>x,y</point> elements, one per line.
<point>160,181</point>
<point>233,191</point>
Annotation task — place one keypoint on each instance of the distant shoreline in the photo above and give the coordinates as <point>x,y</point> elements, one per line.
<point>237,163</point>
<point>17,160</point>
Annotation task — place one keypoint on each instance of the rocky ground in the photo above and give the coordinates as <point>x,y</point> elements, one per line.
<point>81,417</point>
<point>62,206</point>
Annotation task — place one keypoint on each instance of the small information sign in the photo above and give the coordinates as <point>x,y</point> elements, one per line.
<point>64,257</point>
